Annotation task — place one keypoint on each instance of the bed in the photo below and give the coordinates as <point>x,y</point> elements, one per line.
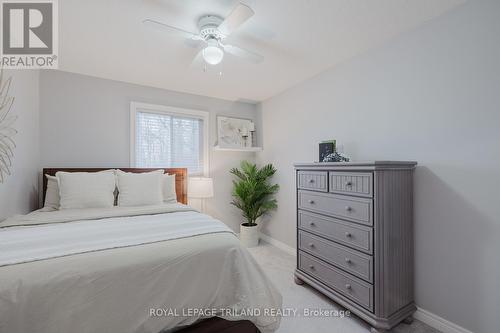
<point>128,269</point>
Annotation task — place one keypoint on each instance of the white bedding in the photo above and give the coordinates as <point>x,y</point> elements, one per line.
<point>81,271</point>
<point>25,244</point>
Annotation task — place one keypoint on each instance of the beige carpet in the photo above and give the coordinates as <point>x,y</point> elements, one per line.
<point>279,267</point>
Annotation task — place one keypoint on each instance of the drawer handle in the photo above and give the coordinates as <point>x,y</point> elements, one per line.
<point>348,235</point>
<point>311,202</point>
<point>348,208</point>
<point>348,286</point>
<point>311,245</point>
<point>348,184</point>
<point>312,224</point>
<point>311,180</point>
<point>311,267</point>
<point>347,260</point>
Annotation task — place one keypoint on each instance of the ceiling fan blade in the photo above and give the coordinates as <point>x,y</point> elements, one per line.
<point>166,27</point>
<point>240,14</point>
<point>198,63</point>
<point>242,53</point>
<point>193,43</point>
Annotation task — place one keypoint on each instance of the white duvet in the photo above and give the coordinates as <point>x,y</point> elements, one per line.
<point>127,270</point>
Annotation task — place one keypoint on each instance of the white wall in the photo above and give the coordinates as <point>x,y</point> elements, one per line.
<point>19,193</point>
<point>84,122</point>
<point>432,95</point>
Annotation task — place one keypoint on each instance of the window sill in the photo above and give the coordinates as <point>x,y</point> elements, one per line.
<point>240,149</point>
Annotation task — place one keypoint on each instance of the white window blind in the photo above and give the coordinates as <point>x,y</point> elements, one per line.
<point>169,141</point>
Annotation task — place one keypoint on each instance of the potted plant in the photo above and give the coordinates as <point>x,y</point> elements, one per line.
<point>253,195</point>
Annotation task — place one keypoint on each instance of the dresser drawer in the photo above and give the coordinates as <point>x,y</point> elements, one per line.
<point>345,284</point>
<point>355,183</point>
<point>351,208</point>
<point>352,261</point>
<point>313,180</point>
<point>355,236</point>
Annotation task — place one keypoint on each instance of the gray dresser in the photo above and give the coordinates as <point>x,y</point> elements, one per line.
<point>355,237</point>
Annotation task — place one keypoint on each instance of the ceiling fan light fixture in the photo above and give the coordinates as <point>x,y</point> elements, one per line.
<point>212,33</point>
<point>213,53</point>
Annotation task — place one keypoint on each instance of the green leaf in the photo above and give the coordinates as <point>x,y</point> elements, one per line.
<point>252,191</point>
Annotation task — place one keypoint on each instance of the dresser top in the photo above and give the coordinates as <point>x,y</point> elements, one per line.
<point>367,165</point>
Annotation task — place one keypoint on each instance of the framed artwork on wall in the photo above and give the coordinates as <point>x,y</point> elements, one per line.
<point>234,132</point>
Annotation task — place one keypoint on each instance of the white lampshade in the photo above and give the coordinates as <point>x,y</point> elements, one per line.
<point>201,188</point>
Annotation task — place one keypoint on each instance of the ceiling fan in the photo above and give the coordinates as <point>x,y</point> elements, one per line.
<point>213,30</point>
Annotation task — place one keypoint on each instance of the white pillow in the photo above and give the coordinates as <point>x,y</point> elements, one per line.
<point>139,189</point>
<point>168,189</point>
<point>86,189</point>
<point>51,194</point>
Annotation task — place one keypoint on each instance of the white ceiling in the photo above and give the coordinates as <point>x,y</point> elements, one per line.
<point>299,38</point>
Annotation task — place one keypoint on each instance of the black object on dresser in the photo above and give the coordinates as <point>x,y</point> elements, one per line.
<point>355,237</point>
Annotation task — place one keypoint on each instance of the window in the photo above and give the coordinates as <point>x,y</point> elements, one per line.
<point>167,137</point>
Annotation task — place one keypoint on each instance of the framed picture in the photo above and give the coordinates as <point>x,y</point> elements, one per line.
<point>234,132</point>
<point>326,148</point>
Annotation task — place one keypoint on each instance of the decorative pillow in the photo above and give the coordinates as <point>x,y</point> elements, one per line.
<point>139,189</point>
<point>51,194</point>
<point>168,189</point>
<point>86,189</point>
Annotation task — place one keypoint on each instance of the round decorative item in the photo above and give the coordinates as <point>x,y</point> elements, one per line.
<point>7,132</point>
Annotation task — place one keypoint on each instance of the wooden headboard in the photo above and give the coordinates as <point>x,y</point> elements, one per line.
<point>180,177</point>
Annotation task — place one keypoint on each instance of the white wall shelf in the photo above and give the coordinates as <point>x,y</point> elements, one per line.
<point>240,149</point>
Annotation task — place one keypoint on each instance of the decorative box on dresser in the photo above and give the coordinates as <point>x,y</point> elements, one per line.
<point>355,237</point>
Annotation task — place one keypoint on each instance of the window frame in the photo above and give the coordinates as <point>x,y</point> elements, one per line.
<point>172,111</point>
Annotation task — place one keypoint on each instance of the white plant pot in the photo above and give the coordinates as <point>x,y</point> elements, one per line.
<point>249,236</point>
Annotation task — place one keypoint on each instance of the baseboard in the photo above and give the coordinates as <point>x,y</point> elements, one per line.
<point>437,322</point>
<point>423,315</point>
<point>280,245</point>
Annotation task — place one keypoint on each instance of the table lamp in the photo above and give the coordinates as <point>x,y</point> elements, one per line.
<point>201,188</point>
